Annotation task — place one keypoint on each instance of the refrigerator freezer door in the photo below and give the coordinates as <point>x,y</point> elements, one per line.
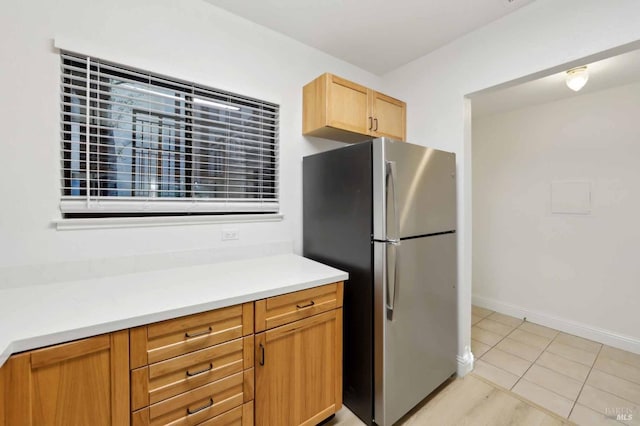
<point>415,348</point>
<point>414,190</point>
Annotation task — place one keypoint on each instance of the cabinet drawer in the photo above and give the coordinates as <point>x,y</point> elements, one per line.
<point>162,380</point>
<point>239,416</point>
<point>168,339</point>
<point>197,405</point>
<point>279,310</point>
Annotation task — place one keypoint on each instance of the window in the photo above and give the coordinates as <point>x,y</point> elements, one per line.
<point>136,143</point>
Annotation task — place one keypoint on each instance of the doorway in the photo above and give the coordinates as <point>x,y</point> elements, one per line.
<point>556,190</point>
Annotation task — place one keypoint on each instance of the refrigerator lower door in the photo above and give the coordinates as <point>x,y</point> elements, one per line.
<point>414,334</point>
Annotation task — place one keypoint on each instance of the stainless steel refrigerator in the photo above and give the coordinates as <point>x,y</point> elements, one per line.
<point>385,211</point>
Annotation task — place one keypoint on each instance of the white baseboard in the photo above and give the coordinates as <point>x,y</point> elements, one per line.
<point>600,335</point>
<point>465,362</point>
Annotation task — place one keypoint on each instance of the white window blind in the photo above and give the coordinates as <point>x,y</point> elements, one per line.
<point>137,143</point>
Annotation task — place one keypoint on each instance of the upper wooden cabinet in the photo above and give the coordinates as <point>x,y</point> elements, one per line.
<point>389,116</point>
<point>85,382</point>
<point>335,108</point>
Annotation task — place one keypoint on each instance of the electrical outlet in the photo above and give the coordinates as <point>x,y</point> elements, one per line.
<point>230,234</point>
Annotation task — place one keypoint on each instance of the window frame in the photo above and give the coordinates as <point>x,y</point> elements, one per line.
<point>88,205</point>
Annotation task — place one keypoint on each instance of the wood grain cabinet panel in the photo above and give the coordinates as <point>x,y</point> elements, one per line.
<point>239,416</point>
<point>162,380</point>
<point>85,382</point>
<point>196,405</point>
<point>347,105</point>
<point>3,385</point>
<point>390,116</point>
<point>167,339</point>
<point>206,369</point>
<point>299,371</point>
<point>339,109</point>
<point>279,310</point>
<point>194,370</point>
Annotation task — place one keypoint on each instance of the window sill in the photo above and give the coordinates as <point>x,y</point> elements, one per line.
<point>145,222</point>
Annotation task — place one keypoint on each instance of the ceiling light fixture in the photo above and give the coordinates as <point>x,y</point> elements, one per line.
<point>577,78</point>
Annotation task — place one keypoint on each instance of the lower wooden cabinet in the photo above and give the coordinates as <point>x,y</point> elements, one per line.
<point>299,371</point>
<point>206,369</point>
<point>239,416</point>
<point>80,383</point>
<point>201,404</point>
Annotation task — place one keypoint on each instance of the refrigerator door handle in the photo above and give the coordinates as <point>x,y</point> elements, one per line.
<point>392,246</point>
<point>391,184</point>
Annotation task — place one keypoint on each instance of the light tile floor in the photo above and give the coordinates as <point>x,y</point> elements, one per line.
<point>471,400</point>
<point>584,381</point>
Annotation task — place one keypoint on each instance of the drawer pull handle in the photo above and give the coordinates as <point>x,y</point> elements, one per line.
<point>375,121</point>
<point>306,306</point>
<point>370,123</point>
<point>209,368</point>
<point>262,354</point>
<point>204,407</point>
<point>201,333</point>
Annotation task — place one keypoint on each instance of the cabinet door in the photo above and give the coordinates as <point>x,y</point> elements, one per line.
<point>85,382</point>
<point>4,388</point>
<point>299,371</point>
<point>347,106</point>
<point>389,116</point>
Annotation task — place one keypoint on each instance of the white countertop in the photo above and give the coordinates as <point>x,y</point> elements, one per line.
<point>36,316</point>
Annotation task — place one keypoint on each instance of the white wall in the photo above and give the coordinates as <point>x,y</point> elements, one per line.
<point>580,269</point>
<point>190,39</point>
<point>542,35</point>
<point>187,39</point>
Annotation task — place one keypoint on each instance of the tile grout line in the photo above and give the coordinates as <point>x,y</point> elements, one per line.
<point>564,357</point>
<point>561,374</point>
<point>523,343</point>
<point>538,357</point>
<point>527,344</point>
<point>482,317</point>
<point>543,387</point>
<point>589,351</point>
<point>531,362</point>
<point>572,360</point>
<point>540,335</point>
<point>534,361</point>
<point>476,324</point>
<point>509,353</point>
<point>558,333</point>
<point>552,391</point>
<point>607,391</point>
<point>496,344</point>
<point>631,364</point>
<point>616,376</point>
<point>508,325</point>
<point>585,381</point>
